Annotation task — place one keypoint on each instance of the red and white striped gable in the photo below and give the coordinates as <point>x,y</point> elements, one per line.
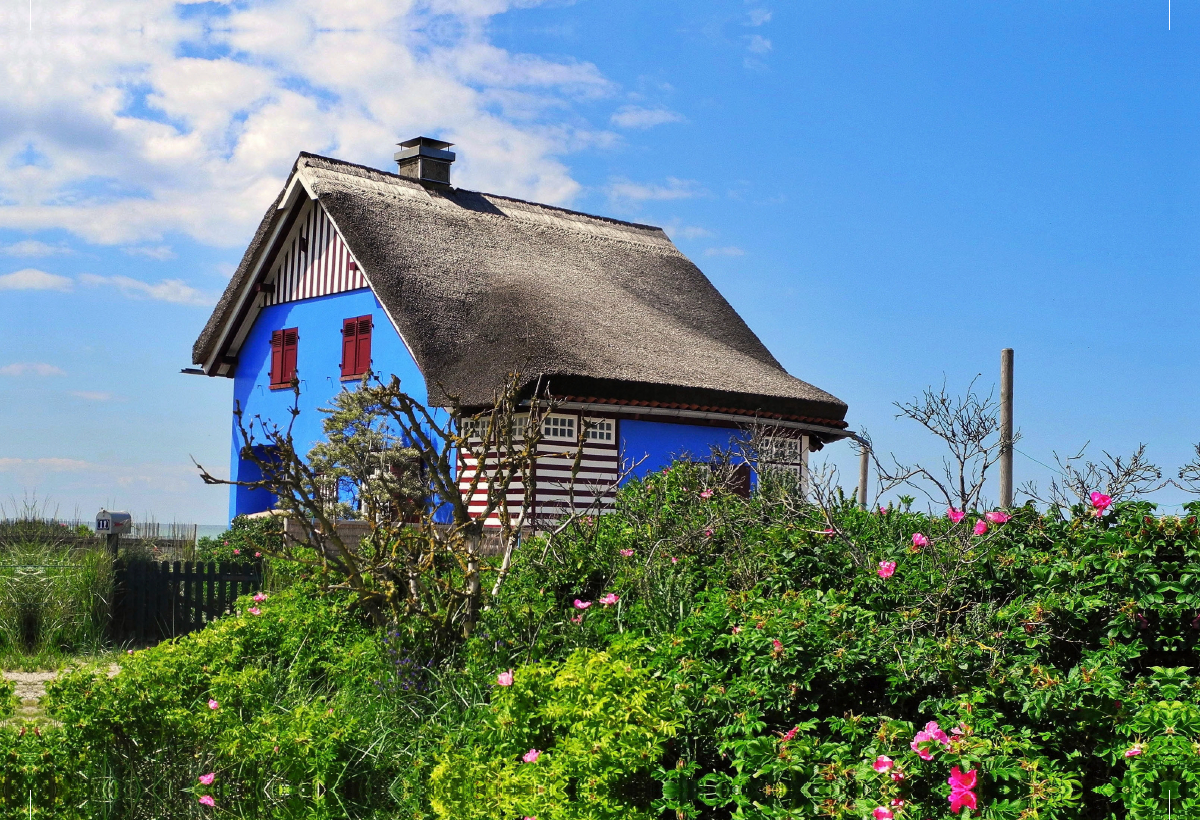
<point>314,261</point>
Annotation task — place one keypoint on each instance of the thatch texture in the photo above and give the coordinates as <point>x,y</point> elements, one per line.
<point>481,285</point>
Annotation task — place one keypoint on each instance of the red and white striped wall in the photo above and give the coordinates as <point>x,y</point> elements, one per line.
<point>314,261</point>
<point>554,497</point>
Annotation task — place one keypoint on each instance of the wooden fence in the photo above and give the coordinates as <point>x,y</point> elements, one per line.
<point>159,600</point>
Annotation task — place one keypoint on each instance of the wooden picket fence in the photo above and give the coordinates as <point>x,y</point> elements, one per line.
<point>154,601</point>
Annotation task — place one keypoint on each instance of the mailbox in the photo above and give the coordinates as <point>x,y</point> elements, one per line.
<point>113,523</point>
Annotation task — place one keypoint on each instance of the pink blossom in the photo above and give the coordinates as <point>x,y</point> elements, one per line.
<point>258,555</point>
<point>997,517</point>
<point>582,604</point>
<point>708,533</point>
<point>955,515</point>
<point>776,647</point>
<point>505,678</point>
<point>736,630</point>
<point>1134,750</point>
<point>259,598</point>
<point>829,531</point>
<point>789,734</point>
<point>625,553</point>
<point>610,599</point>
<point>886,569</point>
<point>960,790</point>
<point>706,494</point>
<point>207,779</point>
<point>961,729</point>
<point>931,732</point>
<point>898,775</point>
<point>674,560</point>
<point>882,813</point>
<point>883,763</point>
<point>883,510</point>
<point>1101,502</point>
<point>919,540</point>
<point>531,756</point>
<point>980,527</point>
<point>897,803</point>
<point>578,619</point>
<point>212,704</point>
<point>206,800</point>
<point>237,552</point>
<point>254,610</point>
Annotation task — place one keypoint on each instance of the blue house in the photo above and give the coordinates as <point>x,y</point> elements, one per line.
<point>401,273</point>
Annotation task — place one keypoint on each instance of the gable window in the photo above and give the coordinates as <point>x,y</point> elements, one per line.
<point>356,346</point>
<point>283,356</point>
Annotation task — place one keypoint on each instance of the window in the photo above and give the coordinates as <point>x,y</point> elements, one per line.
<point>356,346</point>
<point>601,431</point>
<point>477,428</point>
<point>780,450</point>
<point>283,356</point>
<point>559,427</point>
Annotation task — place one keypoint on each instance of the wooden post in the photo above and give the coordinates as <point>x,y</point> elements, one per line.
<point>864,469</point>
<point>804,445</point>
<point>1006,428</point>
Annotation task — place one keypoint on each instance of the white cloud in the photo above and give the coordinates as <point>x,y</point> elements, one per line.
<point>175,291</point>
<point>107,131</point>
<point>31,369</point>
<point>758,17</point>
<point>89,395</point>
<point>45,465</point>
<point>758,44</point>
<point>693,232</point>
<point>34,279</point>
<point>159,252</point>
<point>673,189</point>
<point>730,250</point>
<point>31,247</point>
<point>631,116</point>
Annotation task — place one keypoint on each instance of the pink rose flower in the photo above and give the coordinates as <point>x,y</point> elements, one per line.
<point>206,800</point>
<point>531,756</point>
<point>961,785</point>
<point>259,598</point>
<point>882,813</point>
<point>674,560</point>
<point>883,510</point>
<point>883,763</point>
<point>578,619</point>
<point>789,734</point>
<point>1101,502</point>
<point>254,610</point>
<point>955,515</point>
<point>931,732</point>
<point>258,555</point>
<point>919,540</point>
<point>212,704</point>
<point>625,553</point>
<point>776,647</point>
<point>980,527</point>
<point>997,517</point>
<point>736,630</point>
<point>1134,750</point>
<point>207,779</point>
<point>829,531</point>
<point>610,599</point>
<point>582,604</point>
<point>706,494</point>
<point>886,569</point>
<point>505,678</point>
<point>708,533</point>
<point>237,552</point>
<point>898,775</point>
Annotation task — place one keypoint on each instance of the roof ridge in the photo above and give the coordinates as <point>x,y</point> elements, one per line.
<point>559,208</point>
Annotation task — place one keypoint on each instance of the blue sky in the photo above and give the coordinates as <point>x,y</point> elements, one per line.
<point>889,193</point>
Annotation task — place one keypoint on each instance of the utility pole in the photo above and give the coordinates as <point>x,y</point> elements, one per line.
<point>1006,428</point>
<point>864,466</point>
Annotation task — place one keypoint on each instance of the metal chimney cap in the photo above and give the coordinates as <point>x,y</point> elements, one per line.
<point>428,141</point>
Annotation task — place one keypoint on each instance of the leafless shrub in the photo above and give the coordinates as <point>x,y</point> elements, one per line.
<point>969,426</point>
<point>1189,474</point>
<point>1122,479</point>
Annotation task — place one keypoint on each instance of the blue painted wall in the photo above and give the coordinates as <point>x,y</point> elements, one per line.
<point>318,365</point>
<point>662,442</point>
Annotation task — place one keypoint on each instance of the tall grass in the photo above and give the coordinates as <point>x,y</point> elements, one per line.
<point>55,594</point>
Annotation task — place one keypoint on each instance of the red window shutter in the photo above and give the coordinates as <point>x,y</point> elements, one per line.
<point>290,337</point>
<point>349,349</point>
<point>362,356</point>
<point>276,357</point>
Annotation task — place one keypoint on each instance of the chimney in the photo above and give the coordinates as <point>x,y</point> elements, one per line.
<point>425,160</point>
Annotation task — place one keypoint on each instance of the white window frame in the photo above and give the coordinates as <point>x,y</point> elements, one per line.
<point>560,427</point>
<point>600,431</point>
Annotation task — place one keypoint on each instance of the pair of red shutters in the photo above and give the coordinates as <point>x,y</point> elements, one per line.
<point>356,351</point>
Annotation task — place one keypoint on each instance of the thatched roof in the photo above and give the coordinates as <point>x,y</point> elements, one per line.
<point>480,285</point>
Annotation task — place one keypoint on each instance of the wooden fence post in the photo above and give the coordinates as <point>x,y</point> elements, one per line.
<point>1006,428</point>
<point>864,469</point>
